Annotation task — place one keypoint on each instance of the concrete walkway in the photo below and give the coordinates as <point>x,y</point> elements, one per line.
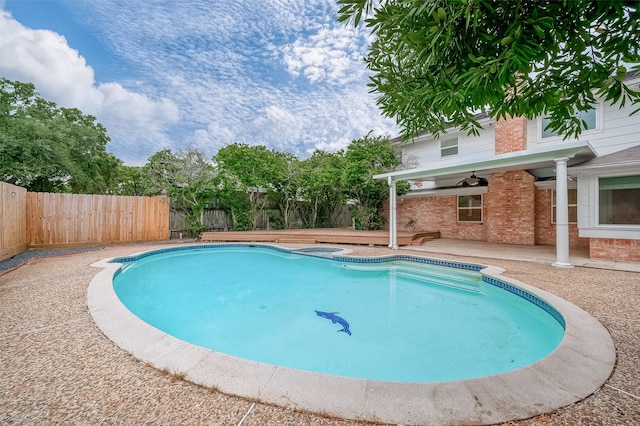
<point>541,254</point>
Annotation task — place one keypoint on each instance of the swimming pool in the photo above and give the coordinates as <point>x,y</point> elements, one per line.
<point>402,320</point>
<point>580,364</point>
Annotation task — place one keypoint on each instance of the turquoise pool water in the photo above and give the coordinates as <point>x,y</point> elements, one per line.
<point>409,322</point>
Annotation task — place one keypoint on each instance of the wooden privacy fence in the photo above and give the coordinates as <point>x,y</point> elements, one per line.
<point>58,220</point>
<point>219,220</point>
<point>13,220</point>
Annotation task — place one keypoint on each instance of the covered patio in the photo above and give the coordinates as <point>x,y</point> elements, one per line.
<point>543,164</point>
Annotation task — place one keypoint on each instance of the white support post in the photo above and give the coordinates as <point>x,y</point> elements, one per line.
<point>393,226</point>
<point>562,215</point>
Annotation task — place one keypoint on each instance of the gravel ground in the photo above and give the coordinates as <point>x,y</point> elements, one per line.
<point>56,367</point>
<point>24,257</point>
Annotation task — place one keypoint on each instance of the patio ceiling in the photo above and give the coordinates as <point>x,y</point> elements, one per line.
<point>540,162</point>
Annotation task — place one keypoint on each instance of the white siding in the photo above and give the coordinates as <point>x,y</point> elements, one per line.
<point>471,148</point>
<point>617,130</point>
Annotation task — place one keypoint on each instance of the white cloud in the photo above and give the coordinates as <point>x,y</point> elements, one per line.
<point>210,74</point>
<point>43,58</point>
<point>60,74</point>
<point>332,55</point>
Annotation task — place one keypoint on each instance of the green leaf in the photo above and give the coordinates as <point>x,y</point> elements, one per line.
<point>506,40</point>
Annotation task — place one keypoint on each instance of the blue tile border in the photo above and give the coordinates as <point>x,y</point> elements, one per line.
<point>406,258</point>
<point>309,251</point>
<point>528,297</point>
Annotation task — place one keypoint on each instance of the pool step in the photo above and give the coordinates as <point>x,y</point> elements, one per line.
<point>432,274</point>
<point>471,286</point>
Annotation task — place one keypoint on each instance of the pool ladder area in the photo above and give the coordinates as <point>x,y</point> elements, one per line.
<point>436,275</point>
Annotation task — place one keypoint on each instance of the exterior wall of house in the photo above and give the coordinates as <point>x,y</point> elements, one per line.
<point>515,211</point>
<point>615,249</point>
<point>588,195</point>
<point>437,213</point>
<point>425,149</point>
<point>511,135</point>
<point>545,230</point>
<point>615,131</point>
<point>510,208</point>
<point>512,223</point>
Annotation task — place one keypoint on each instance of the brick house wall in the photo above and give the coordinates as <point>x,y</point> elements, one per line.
<point>508,212</point>
<point>615,249</point>
<point>545,230</point>
<point>510,208</point>
<point>436,213</point>
<point>511,135</point>
<point>515,211</point>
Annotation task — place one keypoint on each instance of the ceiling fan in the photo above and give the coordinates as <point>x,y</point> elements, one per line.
<point>473,180</point>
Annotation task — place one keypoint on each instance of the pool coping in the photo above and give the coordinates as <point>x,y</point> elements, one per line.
<point>577,368</point>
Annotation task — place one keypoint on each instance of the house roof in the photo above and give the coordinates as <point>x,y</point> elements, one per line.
<point>482,117</point>
<point>627,156</point>
<point>579,151</point>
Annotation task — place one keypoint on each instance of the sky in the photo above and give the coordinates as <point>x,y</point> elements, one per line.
<point>197,73</point>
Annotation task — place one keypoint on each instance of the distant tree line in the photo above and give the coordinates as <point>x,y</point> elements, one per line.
<point>44,148</point>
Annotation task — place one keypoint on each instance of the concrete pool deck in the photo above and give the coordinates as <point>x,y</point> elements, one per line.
<point>56,366</point>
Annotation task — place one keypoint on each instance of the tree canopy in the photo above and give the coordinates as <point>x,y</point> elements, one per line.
<point>364,158</point>
<point>46,148</point>
<point>50,149</point>
<point>436,63</point>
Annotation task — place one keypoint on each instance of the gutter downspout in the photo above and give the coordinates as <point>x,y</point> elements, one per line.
<point>562,215</point>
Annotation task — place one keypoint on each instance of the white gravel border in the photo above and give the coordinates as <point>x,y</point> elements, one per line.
<point>577,368</point>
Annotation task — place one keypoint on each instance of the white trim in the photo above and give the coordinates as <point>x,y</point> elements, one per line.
<point>551,184</point>
<point>448,132</point>
<point>476,190</point>
<point>510,161</point>
<point>599,107</point>
<point>552,205</point>
<point>611,231</point>
<point>456,146</point>
<point>589,203</point>
<point>481,208</point>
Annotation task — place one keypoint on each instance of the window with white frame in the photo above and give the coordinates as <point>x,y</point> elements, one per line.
<point>619,200</point>
<point>588,116</point>
<point>572,198</point>
<point>449,147</point>
<point>469,208</point>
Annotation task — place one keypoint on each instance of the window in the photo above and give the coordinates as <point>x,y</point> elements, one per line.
<point>572,195</point>
<point>588,117</point>
<point>619,200</point>
<point>469,208</point>
<point>449,147</point>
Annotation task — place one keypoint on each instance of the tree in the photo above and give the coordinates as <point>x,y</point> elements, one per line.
<point>321,188</point>
<point>46,148</point>
<point>132,181</point>
<point>436,63</point>
<point>254,171</point>
<point>285,193</point>
<point>364,158</point>
<point>188,179</point>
